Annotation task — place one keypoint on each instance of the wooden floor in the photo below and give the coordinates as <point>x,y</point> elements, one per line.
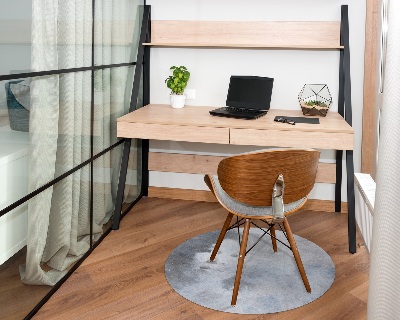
<point>124,277</point>
<point>16,298</point>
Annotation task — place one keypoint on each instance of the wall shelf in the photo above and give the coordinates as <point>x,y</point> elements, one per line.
<point>295,35</point>
<point>242,46</point>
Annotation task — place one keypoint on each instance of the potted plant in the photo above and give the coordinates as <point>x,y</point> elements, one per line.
<point>177,83</point>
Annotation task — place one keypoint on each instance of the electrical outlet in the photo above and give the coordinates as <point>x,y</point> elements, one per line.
<point>190,94</point>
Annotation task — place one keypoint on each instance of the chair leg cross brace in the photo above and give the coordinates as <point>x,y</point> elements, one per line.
<point>271,232</point>
<point>273,238</point>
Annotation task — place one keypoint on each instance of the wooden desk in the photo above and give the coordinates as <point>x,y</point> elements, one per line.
<point>195,124</point>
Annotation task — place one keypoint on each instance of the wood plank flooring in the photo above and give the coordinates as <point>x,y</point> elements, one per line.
<point>16,298</point>
<point>124,277</point>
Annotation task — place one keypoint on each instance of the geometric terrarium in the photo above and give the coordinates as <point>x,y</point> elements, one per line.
<point>315,99</point>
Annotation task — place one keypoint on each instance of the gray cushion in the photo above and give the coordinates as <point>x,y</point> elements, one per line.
<point>19,116</point>
<point>21,91</point>
<point>245,209</point>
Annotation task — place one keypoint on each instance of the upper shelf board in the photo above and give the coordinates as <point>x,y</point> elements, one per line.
<point>246,34</point>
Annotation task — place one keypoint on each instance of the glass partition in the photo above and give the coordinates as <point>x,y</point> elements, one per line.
<point>50,210</point>
<point>44,126</point>
<point>15,36</point>
<point>53,126</point>
<point>112,94</point>
<point>116,31</point>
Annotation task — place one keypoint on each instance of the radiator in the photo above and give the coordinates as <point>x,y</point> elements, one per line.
<point>365,199</point>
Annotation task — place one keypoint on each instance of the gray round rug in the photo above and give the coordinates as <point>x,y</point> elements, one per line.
<point>270,281</point>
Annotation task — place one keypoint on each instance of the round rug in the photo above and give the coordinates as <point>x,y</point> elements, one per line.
<point>270,281</point>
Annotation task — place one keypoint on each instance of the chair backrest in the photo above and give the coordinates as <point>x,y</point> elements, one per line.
<point>249,178</point>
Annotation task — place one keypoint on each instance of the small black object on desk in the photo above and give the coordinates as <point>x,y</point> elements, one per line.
<point>293,120</point>
<point>284,120</point>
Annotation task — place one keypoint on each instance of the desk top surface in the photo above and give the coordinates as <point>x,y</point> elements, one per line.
<point>199,117</point>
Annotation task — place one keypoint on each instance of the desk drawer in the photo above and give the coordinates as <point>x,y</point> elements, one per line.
<point>173,132</point>
<point>304,139</point>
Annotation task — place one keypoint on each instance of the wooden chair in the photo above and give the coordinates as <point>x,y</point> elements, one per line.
<point>244,186</point>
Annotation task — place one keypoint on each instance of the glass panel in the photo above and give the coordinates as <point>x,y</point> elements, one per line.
<point>71,44</point>
<point>113,89</point>
<point>60,220</point>
<point>40,37</point>
<point>14,146</point>
<point>68,33</point>
<point>117,30</point>
<point>105,177</point>
<point>105,183</point>
<point>60,37</point>
<point>44,131</point>
<point>15,36</point>
<point>134,174</point>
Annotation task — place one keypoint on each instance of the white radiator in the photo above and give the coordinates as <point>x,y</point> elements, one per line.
<point>365,199</point>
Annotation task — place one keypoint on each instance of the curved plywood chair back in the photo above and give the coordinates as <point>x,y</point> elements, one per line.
<point>249,178</point>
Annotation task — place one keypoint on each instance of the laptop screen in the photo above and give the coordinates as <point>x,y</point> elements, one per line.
<point>250,92</point>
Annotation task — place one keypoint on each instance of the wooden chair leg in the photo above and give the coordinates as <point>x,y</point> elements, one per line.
<point>296,254</point>
<point>273,239</point>
<point>221,235</point>
<point>239,268</point>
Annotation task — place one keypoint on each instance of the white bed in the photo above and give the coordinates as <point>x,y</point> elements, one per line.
<point>14,162</point>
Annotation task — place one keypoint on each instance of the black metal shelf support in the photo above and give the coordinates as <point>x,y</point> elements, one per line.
<point>345,110</point>
<point>142,69</point>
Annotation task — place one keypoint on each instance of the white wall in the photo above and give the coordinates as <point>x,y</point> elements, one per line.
<point>211,68</point>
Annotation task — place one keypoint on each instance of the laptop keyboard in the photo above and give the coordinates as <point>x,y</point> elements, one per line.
<point>241,110</point>
<point>240,113</point>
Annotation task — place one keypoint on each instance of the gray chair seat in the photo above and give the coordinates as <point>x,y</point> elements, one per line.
<point>249,210</point>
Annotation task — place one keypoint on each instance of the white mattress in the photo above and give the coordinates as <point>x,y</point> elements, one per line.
<point>13,145</point>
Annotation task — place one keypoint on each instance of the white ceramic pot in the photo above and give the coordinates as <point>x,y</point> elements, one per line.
<point>177,100</point>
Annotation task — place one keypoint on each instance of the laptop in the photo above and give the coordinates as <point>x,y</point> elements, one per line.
<point>248,97</point>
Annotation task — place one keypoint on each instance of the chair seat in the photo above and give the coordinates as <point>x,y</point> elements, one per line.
<point>248,210</point>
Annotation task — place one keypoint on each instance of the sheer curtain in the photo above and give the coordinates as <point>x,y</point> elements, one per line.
<point>384,293</point>
<point>60,128</point>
